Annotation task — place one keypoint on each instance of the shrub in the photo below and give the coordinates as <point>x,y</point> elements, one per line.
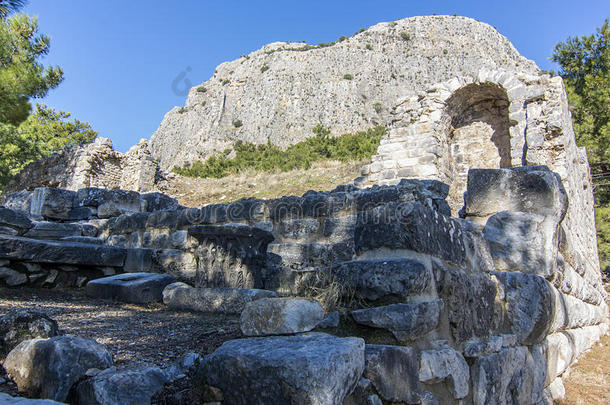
<point>182,110</point>
<point>369,47</point>
<point>405,36</point>
<point>268,157</point>
<point>237,123</point>
<point>377,107</point>
<point>225,81</point>
<point>348,76</point>
<point>264,68</point>
<point>445,52</point>
<point>201,89</point>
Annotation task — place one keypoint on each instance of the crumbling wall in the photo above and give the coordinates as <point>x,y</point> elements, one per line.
<point>93,165</point>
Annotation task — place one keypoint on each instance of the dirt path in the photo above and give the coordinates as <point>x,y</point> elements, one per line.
<point>132,333</point>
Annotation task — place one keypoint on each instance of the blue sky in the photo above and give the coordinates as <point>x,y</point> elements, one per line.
<point>124,60</point>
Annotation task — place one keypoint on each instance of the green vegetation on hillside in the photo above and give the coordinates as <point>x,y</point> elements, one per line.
<point>585,67</point>
<point>268,157</point>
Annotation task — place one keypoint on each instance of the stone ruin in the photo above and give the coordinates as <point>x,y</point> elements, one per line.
<point>93,165</point>
<point>420,307</point>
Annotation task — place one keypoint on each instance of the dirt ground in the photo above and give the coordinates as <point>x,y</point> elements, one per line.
<point>154,334</point>
<point>132,333</point>
<point>588,382</point>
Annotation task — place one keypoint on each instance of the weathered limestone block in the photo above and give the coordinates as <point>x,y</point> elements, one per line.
<point>178,263</point>
<point>520,241</point>
<point>532,189</point>
<point>485,347</point>
<point>248,210</point>
<point>48,368</point>
<point>137,288</point>
<point>53,230</point>
<point>391,278</point>
<point>214,300</point>
<point>424,230</point>
<point>329,321</point>
<point>22,324</point>
<point>163,219</point>
<point>130,222</point>
<point>570,312</point>
<point>15,220</point>
<point>405,321</point>
<point>555,353</point>
<point>530,306</point>
<point>470,300</point>
<point>127,385</point>
<point>445,364</point>
<point>52,203</point>
<point>310,368</point>
<point>158,202</point>
<point>38,251</point>
<point>568,281</point>
<point>117,202</point>
<point>340,229</point>
<point>19,201</point>
<point>312,254</point>
<point>394,372</point>
<point>506,377</point>
<point>279,316</point>
<point>299,228</point>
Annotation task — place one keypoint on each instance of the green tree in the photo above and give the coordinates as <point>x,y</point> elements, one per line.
<point>42,133</point>
<point>22,76</point>
<point>584,65</point>
<point>10,6</point>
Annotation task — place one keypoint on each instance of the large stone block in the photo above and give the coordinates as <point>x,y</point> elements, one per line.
<point>53,230</point>
<point>376,279</point>
<point>52,203</point>
<point>178,263</point>
<point>15,220</point>
<point>158,201</point>
<point>127,385</point>
<point>470,300</point>
<point>405,321</point>
<point>6,399</point>
<point>211,300</point>
<point>416,227</point>
<point>22,324</point>
<point>312,254</point>
<point>137,288</point>
<point>312,368</point>
<point>39,251</point>
<point>49,368</point>
<point>520,241</point>
<point>394,372</point>
<point>507,377</point>
<point>446,364</point>
<point>530,306</point>
<point>533,189</point>
<point>279,316</point>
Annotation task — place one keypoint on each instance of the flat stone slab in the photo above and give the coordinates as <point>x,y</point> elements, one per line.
<point>137,288</point>
<point>212,300</point>
<point>6,399</point>
<point>278,316</point>
<point>312,368</point>
<point>393,370</point>
<point>46,251</point>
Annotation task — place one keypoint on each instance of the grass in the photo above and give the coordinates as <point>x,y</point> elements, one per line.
<point>323,175</point>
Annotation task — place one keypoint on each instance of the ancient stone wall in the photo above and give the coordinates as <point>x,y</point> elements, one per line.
<point>93,165</point>
<point>495,119</point>
<point>484,311</point>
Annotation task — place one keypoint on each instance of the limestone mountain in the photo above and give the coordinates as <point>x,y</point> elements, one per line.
<point>281,91</point>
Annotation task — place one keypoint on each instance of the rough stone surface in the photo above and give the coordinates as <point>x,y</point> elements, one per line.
<point>21,324</point>
<point>312,368</point>
<point>438,365</point>
<point>393,370</point>
<point>128,385</point>
<point>48,368</point>
<point>52,203</point>
<point>9,400</point>
<point>376,279</point>
<point>137,288</point>
<point>211,300</point>
<point>241,90</point>
<point>524,242</point>
<point>278,316</point>
<point>14,220</point>
<point>39,251</point>
<point>405,321</point>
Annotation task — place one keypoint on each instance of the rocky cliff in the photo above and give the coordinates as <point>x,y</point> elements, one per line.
<point>281,91</point>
